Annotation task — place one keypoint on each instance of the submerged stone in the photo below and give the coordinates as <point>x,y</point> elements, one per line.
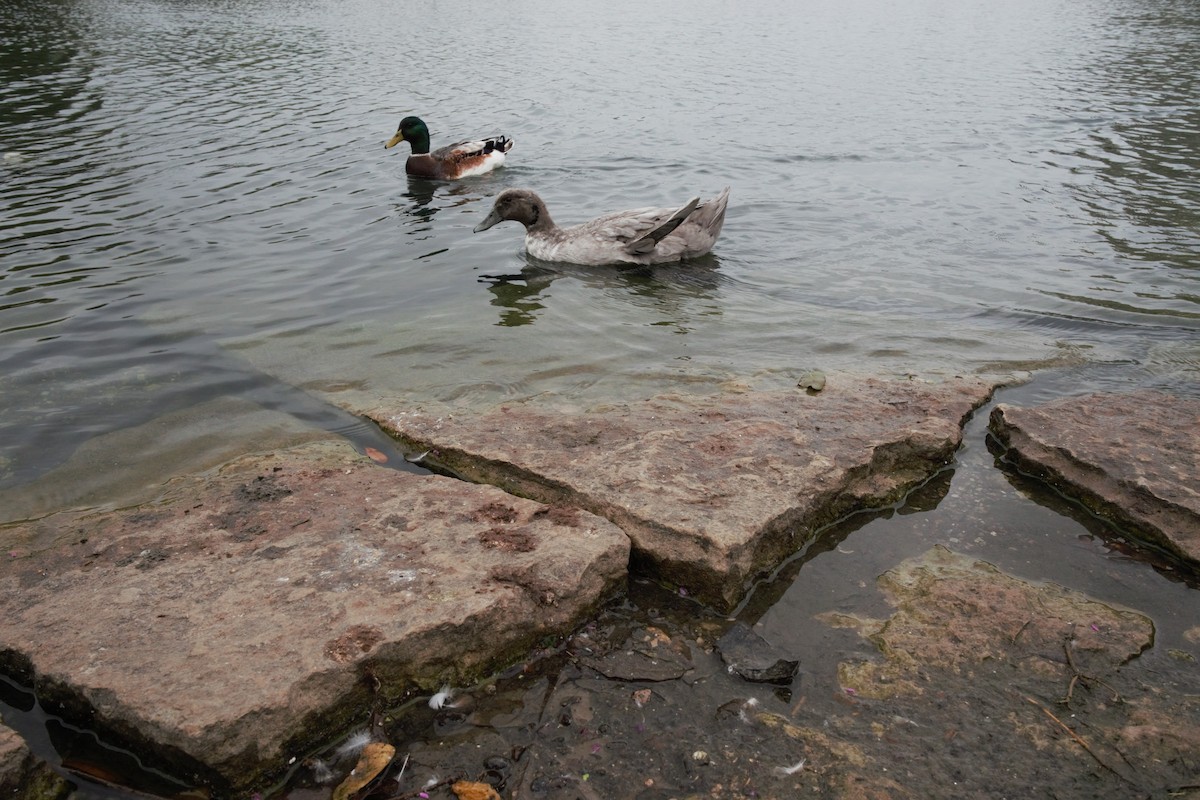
<point>975,660</point>
<point>754,658</point>
<point>648,655</point>
<point>959,616</point>
<point>1133,458</point>
<point>711,489</point>
<point>23,776</point>
<point>253,613</point>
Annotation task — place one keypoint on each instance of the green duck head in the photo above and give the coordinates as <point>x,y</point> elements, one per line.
<point>413,131</point>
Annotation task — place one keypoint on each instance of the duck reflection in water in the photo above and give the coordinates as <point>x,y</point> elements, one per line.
<point>420,208</point>
<point>672,294</point>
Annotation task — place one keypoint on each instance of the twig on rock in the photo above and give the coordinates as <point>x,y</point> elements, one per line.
<point>1077,675</point>
<point>1078,740</point>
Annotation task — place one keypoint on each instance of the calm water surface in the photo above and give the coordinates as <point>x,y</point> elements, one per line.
<point>204,248</point>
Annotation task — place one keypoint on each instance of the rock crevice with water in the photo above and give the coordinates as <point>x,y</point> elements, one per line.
<point>1133,459</point>
<point>23,776</point>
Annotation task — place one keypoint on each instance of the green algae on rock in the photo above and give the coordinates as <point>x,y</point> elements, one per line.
<point>957,615</point>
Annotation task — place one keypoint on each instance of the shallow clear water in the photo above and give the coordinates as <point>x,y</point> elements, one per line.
<point>196,199</point>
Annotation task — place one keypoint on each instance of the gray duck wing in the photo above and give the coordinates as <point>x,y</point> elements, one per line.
<point>622,227</point>
<point>647,241</point>
<point>639,228</point>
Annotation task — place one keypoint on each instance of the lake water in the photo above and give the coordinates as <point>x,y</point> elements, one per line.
<point>198,214</point>
<point>205,249</point>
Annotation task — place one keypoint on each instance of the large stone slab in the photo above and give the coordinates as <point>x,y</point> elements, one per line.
<point>226,629</point>
<point>711,489</point>
<point>1133,458</point>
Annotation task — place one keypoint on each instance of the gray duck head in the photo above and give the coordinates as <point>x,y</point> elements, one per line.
<point>521,205</point>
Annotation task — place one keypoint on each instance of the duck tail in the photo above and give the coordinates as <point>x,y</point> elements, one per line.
<point>647,241</point>
<point>496,144</point>
<point>711,215</point>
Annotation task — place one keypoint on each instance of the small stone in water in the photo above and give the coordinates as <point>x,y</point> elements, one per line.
<point>813,380</point>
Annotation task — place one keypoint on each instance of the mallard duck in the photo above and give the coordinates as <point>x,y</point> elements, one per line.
<point>638,236</point>
<point>459,160</point>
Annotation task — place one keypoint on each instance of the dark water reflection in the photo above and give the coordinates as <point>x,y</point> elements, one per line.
<point>675,292</point>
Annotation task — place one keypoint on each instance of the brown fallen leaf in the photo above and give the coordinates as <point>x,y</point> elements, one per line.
<point>377,456</point>
<point>96,772</point>
<point>374,759</point>
<point>469,790</point>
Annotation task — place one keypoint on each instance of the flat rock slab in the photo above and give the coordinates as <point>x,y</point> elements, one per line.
<point>1133,458</point>
<point>712,489</point>
<point>258,611</point>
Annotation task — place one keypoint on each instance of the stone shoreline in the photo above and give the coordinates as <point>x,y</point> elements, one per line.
<point>253,611</point>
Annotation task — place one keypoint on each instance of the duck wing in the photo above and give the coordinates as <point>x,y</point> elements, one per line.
<point>636,236</point>
<point>646,242</point>
<point>475,148</point>
<point>637,230</point>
